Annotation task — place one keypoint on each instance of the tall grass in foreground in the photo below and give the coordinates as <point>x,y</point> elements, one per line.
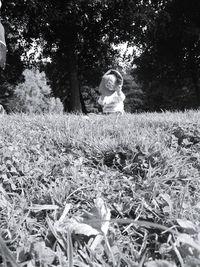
<point>103,191</point>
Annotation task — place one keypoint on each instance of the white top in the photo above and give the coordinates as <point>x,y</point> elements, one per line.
<point>112,103</point>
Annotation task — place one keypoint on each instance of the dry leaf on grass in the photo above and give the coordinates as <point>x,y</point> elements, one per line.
<point>187,239</point>
<point>75,226</point>
<point>94,223</point>
<point>91,223</point>
<point>185,224</point>
<point>98,217</point>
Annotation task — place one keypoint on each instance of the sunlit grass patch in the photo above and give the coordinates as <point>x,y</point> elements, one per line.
<point>143,167</point>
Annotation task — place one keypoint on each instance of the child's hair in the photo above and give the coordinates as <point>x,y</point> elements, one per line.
<point>110,80</point>
<point>119,79</point>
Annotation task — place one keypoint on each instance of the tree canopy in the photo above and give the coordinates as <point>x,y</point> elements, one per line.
<point>76,37</point>
<point>169,65</point>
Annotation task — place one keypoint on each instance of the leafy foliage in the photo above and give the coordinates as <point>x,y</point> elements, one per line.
<point>134,95</point>
<point>76,36</point>
<point>168,66</point>
<point>75,43</point>
<point>34,95</point>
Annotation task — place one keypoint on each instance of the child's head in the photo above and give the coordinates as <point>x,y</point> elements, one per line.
<point>109,82</point>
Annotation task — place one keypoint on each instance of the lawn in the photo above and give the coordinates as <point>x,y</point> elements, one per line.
<point>100,190</point>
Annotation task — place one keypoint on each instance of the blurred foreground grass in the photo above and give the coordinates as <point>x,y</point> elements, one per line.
<point>145,167</point>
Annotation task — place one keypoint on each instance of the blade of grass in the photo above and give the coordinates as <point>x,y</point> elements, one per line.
<point>139,223</point>
<point>52,229</point>
<point>109,250</point>
<point>7,253</point>
<point>142,259</point>
<point>70,249</point>
<point>177,254</point>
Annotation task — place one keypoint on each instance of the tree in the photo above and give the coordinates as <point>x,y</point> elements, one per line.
<point>76,35</point>
<point>33,95</point>
<point>169,62</point>
<point>134,101</point>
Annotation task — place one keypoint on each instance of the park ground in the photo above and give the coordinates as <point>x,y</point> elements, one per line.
<point>100,190</point>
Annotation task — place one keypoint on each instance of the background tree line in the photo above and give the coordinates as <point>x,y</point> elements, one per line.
<point>75,42</point>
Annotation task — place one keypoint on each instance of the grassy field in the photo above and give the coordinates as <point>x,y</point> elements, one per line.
<point>100,190</point>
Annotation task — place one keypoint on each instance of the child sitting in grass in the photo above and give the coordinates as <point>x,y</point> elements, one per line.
<point>110,88</point>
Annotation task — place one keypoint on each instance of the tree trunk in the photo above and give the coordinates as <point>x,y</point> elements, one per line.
<point>74,94</point>
<point>194,75</point>
<point>196,87</point>
<point>84,109</point>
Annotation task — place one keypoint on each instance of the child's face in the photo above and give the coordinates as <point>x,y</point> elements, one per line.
<point>110,82</point>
